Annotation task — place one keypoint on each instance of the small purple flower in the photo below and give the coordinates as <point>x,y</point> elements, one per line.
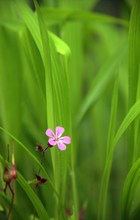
<point>56,139</point>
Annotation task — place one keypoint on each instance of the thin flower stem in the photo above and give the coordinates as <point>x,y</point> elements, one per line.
<point>46,148</point>
<point>41,163</point>
<point>42,160</point>
<point>4,190</point>
<point>43,156</point>
<point>12,202</point>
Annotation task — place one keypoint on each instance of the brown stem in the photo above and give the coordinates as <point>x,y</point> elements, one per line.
<point>4,190</point>
<point>42,160</point>
<point>43,156</point>
<point>12,202</point>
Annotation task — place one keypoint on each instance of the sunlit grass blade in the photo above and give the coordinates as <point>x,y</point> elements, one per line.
<point>10,113</point>
<point>100,83</point>
<point>30,19</point>
<point>57,100</point>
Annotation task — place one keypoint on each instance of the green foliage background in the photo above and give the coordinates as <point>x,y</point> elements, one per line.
<point>65,64</point>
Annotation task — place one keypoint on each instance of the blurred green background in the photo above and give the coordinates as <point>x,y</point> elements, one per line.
<point>75,64</point>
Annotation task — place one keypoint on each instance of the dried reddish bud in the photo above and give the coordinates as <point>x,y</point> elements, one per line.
<point>40,180</point>
<point>68,212</point>
<point>6,176</point>
<point>81,214</point>
<point>13,172</point>
<point>39,148</point>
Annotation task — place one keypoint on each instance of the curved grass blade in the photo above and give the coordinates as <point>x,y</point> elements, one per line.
<point>56,103</point>
<point>60,15</point>
<point>129,189</point>
<point>129,118</point>
<point>101,82</point>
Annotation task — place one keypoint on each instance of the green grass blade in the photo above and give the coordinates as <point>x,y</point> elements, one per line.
<point>134,60</point>
<point>105,178</point>
<point>100,83</point>
<point>10,113</point>
<point>134,48</point>
<point>30,19</point>
<point>129,118</point>
<point>60,15</point>
<point>129,189</point>
<point>57,100</point>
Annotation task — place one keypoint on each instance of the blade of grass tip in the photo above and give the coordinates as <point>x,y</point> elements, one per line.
<point>105,178</point>
<point>129,189</point>
<point>30,19</point>
<point>48,69</point>
<point>133,65</point>
<point>101,82</point>
<point>41,211</point>
<point>129,118</point>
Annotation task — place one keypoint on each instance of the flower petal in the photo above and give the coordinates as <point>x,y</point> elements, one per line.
<point>65,140</point>
<point>50,133</point>
<point>61,146</point>
<point>59,131</point>
<point>52,141</point>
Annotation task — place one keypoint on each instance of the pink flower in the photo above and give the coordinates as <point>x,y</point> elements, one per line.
<point>56,139</point>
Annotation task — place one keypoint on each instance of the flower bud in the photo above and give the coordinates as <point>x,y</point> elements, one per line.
<point>40,180</point>
<point>39,148</point>
<point>6,176</point>
<point>13,172</point>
